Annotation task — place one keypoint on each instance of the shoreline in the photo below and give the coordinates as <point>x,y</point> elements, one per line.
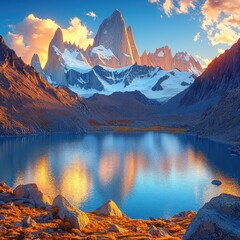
<point>25,211</point>
<point>127,129</point>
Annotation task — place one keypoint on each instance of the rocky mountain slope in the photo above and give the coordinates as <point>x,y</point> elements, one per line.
<point>222,120</point>
<point>29,104</point>
<point>218,91</point>
<point>222,75</point>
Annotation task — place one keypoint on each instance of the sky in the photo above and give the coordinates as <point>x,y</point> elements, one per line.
<point>204,28</point>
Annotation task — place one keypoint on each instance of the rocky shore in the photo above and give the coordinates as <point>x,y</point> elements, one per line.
<point>26,213</point>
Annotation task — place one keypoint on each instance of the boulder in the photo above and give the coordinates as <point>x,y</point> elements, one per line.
<point>159,232</point>
<point>69,213</point>
<point>217,182</point>
<point>217,219</point>
<point>115,228</point>
<point>109,208</point>
<point>28,222</point>
<point>31,191</point>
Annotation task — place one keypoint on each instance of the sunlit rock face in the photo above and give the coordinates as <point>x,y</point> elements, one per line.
<point>35,62</point>
<point>133,46</point>
<point>185,62</point>
<point>114,45</point>
<point>55,64</point>
<point>162,57</point>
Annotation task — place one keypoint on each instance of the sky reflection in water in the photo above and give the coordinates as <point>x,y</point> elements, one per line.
<point>146,174</point>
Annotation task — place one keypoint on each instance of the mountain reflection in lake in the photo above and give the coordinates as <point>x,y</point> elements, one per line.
<point>146,174</point>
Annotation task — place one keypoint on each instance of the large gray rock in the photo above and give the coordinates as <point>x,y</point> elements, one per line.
<point>69,213</point>
<point>217,219</point>
<point>109,208</point>
<point>31,191</point>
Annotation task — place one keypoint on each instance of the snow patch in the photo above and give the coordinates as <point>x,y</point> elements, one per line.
<point>161,54</point>
<point>102,52</point>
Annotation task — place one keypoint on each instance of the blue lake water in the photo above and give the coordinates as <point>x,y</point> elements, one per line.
<point>146,174</point>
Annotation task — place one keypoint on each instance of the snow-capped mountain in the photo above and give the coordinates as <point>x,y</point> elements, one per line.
<point>80,77</point>
<point>113,64</point>
<point>154,83</point>
<point>114,46</point>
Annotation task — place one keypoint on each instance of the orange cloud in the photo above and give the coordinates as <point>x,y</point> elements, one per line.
<point>180,7</point>
<point>221,21</point>
<point>184,6</point>
<point>204,61</point>
<point>34,34</point>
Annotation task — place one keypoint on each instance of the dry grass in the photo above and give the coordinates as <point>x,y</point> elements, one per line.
<point>97,228</point>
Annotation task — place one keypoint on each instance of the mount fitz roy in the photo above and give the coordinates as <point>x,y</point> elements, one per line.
<point>113,64</point>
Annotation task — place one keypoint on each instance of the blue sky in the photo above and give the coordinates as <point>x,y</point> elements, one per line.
<point>152,25</point>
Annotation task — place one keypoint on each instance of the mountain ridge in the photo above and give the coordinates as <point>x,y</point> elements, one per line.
<point>29,104</point>
<point>114,46</point>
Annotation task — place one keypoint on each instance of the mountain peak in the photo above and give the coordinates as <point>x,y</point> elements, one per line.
<point>8,56</point>
<point>57,40</point>
<point>117,13</point>
<point>35,62</point>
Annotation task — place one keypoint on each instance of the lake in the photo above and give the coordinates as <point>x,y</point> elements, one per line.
<point>147,174</point>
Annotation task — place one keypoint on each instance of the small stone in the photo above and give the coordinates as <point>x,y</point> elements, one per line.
<point>136,229</point>
<point>217,182</point>
<point>183,214</point>
<point>160,232</point>
<point>117,229</point>
<point>28,222</point>
<point>2,217</point>
<point>109,208</point>
<point>49,230</point>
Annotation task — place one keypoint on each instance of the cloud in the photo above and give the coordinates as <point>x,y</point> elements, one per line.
<point>173,6</point>
<point>153,1</point>
<point>220,50</point>
<point>204,61</point>
<point>168,7</point>
<point>196,37</point>
<point>185,5</point>
<point>34,34</point>
<point>92,14</point>
<point>221,21</point>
